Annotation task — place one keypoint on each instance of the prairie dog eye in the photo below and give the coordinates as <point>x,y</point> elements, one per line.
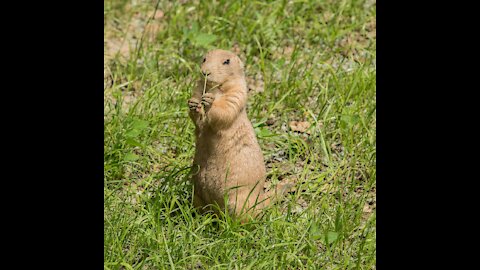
<point>226,62</point>
<point>204,59</point>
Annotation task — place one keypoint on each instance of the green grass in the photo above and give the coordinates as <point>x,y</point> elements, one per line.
<point>316,61</point>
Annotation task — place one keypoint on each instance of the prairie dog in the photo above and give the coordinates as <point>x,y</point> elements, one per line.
<point>228,161</point>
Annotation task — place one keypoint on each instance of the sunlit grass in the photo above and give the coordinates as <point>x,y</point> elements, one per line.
<point>316,62</point>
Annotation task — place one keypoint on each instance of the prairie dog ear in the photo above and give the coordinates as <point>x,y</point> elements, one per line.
<point>239,61</point>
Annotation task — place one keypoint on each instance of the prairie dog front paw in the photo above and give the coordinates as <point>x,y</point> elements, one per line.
<point>194,104</point>
<point>207,100</point>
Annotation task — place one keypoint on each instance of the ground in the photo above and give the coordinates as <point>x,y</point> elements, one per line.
<point>311,68</point>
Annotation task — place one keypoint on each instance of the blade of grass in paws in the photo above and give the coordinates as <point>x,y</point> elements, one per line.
<point>204,84</point>
<point>204,89</point>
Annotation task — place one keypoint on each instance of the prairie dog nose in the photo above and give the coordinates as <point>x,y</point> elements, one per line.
<point>205,73</point>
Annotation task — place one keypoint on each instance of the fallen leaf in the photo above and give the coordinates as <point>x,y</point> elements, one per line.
<point>300,126</point>
<point>270,121</point>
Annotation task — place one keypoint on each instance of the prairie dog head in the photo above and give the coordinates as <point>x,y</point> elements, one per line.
<point>220,66</point>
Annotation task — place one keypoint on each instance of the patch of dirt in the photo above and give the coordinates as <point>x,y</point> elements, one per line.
<point>122,38</point>
<point>154,26</point>
<point>352,43</point>
<point>239,52</point>
<point>255,83</point>
<point>337,149</point>
<point>157,16</point>
<point>283,52</point>
<point>277,156</point>
<point>371,29</point>
<point>128,98</point>
<point>107,75</point>
<point>114,46</point>
<point>327,16</point>
<point>369,208</point>
<point>369,3</point>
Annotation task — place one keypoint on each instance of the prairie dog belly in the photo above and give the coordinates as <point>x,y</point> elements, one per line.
<point>229,161</point>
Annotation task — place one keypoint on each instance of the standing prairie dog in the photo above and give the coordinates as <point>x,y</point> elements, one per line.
<point>228,161</point>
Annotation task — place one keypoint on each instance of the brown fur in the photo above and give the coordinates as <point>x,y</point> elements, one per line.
<point>228,159</point>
